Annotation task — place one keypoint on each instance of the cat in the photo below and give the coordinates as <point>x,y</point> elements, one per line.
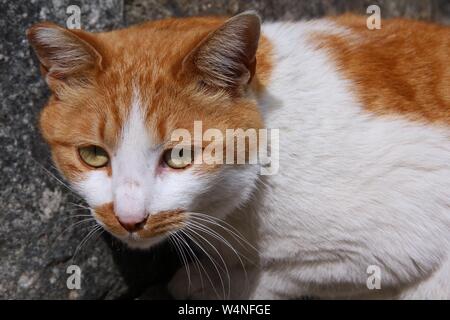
<point>360,204</point>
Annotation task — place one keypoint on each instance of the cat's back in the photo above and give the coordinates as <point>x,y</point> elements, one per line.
<point>404,67</point>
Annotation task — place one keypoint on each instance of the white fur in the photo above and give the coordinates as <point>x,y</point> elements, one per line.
<point>95,188</point>
<point>131,166</point>
<point>353,189</point>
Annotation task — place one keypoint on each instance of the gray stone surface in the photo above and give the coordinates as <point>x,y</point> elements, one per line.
<point>137,11</point>
<point>35,209</point>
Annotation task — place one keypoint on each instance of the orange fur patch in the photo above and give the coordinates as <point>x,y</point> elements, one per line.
<point>105,214</point>
<point>403,68</point>
<point>162,222</point>
<point>156,224</point>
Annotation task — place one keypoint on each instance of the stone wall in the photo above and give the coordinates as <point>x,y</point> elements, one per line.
<point>36,209</point>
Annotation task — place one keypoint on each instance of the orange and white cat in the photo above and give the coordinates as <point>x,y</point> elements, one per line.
<point>364,149</point>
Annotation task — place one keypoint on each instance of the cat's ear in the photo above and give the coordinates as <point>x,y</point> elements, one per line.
<point>226,57</point>
<point>65,55</point>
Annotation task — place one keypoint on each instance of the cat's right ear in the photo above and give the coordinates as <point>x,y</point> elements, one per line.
<point>66,56</point>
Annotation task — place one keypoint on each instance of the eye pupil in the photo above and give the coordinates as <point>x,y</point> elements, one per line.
<point>94,156</point>
<point>176,159</point>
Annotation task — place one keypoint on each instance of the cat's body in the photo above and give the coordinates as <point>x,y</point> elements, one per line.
<point>354,189</point>
<point>364,173</point>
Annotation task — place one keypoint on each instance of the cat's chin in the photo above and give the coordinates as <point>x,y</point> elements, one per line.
<point>141,244</point>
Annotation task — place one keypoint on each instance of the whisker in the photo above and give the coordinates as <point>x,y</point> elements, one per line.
<point>193,256</point>
<point>80,206</point>
<point>92,232</point>
<point>201,264</point>
<point>99,234</point>
<point>197,217</point>
<point>220,223</point>
<point>183,258</point>
<point>78,216</point>
<point>74,225</point>
<point>75,210</point>
<point>220,238</point>
<point>188,228</point>
<point>52,175</point>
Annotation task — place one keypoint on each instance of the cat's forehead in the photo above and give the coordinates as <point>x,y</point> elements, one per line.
<point>157,45</point>
<point>128,106</point>
<point>150,101</point>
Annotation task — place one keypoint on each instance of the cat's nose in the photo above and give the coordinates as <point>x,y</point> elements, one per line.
<point>129,205</point>
<point>133,226</point>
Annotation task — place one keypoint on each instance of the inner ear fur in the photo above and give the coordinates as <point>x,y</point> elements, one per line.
<point>226,58</point>
<point>65,55</point>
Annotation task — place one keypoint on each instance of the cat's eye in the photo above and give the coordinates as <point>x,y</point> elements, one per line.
<point>178,158</point>
<point>94,156</point>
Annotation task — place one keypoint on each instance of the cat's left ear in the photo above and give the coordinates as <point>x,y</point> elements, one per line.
<point>66,56</point>
<point>226,58</point>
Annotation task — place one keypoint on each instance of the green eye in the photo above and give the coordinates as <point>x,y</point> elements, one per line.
<point>94,156</point>
<point>178,158</point>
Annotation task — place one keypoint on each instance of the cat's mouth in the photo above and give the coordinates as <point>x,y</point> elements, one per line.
<point>156,227</point>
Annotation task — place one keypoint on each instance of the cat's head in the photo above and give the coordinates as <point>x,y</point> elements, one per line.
<point>118,97</point>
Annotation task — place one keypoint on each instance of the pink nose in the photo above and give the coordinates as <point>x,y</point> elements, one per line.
<point>133,226</point>
<point>129,206</point>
